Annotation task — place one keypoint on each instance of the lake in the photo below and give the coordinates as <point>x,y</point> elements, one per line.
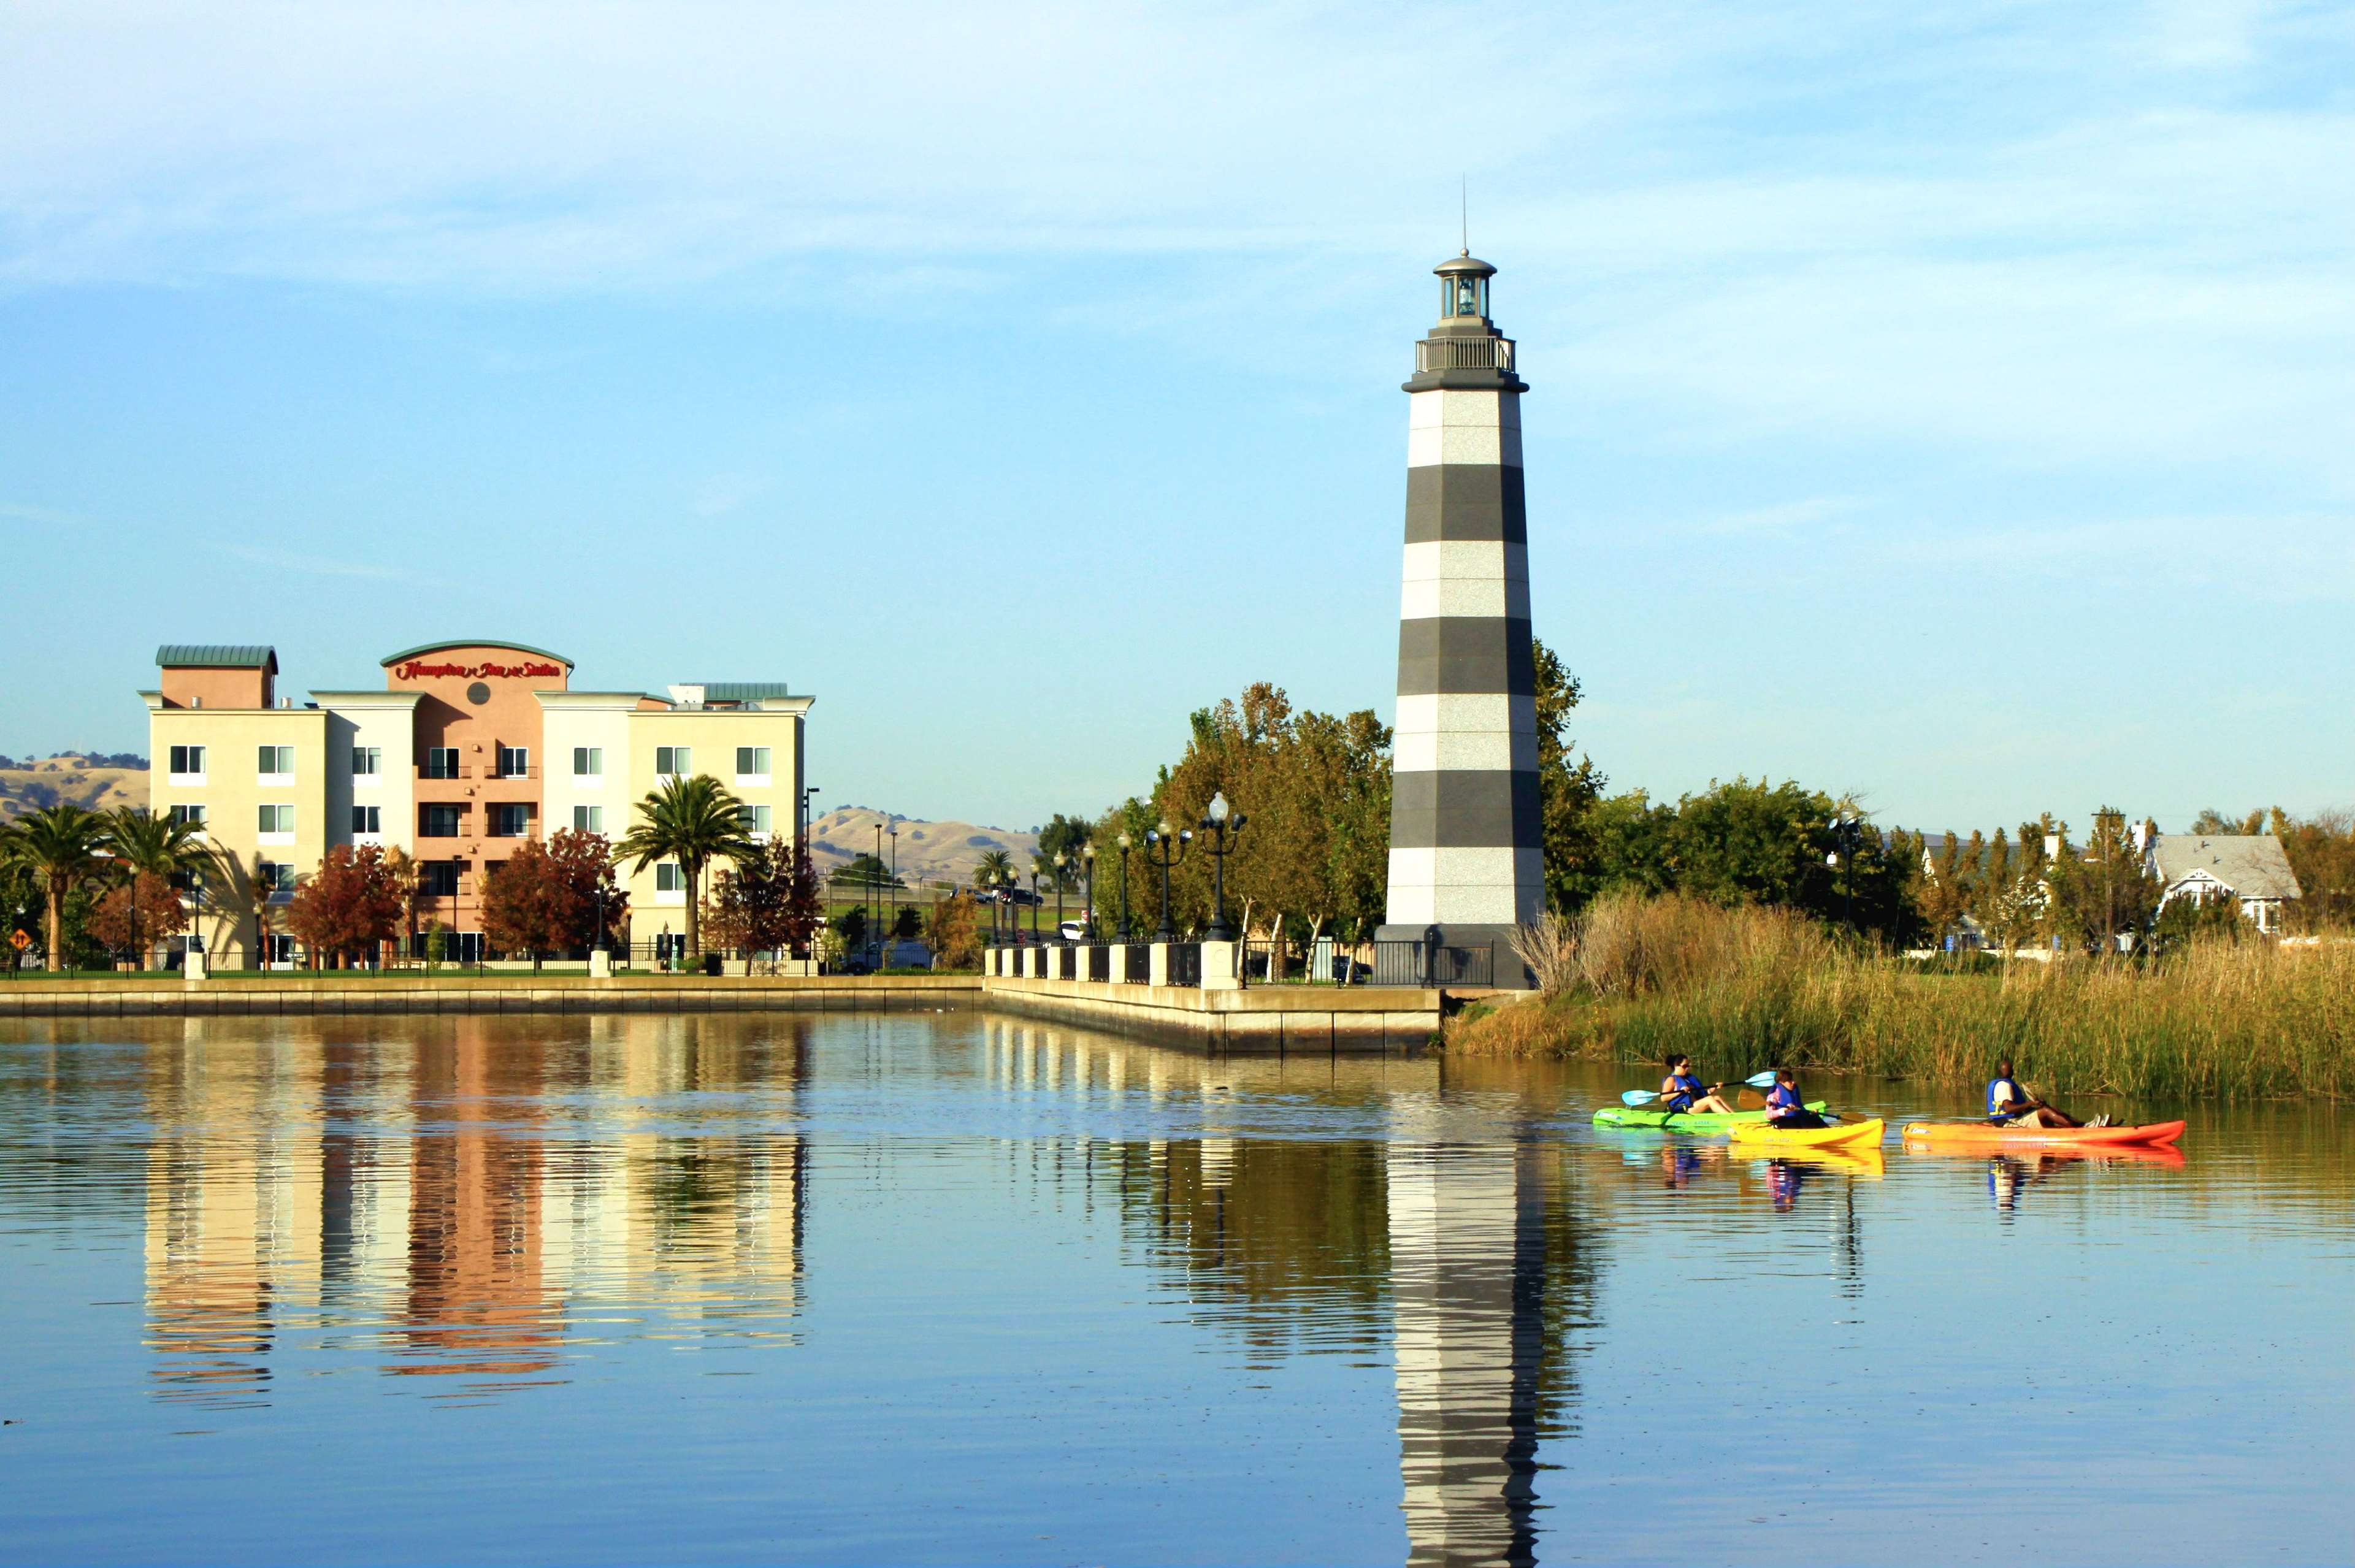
<point>948,1286</point>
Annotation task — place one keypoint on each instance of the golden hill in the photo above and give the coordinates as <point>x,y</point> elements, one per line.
<point>929,852</point>
<point>67,780</point>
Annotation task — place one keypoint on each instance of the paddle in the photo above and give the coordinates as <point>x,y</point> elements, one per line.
<point>1635,1097</point>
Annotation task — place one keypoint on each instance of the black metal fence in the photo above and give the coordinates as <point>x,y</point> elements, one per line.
<point>1185,962</point>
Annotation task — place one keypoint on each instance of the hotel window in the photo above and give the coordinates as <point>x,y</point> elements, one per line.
<point>674,762</point>
<point>442,762</point>
<point>194,816</point>
<point>367,820</point>
<point>187,764</point>
<point>367,761</point>
<point>751,762</point>
<point>669,877</point>
<point>510,820</point>
<point>273,878</point>
<point>276,763</point>
<point>754,819</point>
<point>437,822</point>
<point>514,763</point>
<point>278,821</point>
<point>588,762</point>
<point>439,879</point>
<point>589,818</point>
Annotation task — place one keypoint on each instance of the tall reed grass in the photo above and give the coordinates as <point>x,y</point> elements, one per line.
<point>1742,989</point>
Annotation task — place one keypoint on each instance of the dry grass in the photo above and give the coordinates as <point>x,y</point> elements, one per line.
<point>1747,988</point>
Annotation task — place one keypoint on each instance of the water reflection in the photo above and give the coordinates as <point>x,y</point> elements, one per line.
<point>471,1204</point>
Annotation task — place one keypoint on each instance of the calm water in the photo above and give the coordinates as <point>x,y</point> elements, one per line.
<point>949,1287</point>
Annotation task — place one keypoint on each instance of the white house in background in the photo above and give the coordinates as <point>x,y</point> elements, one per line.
<point>2250,867</point>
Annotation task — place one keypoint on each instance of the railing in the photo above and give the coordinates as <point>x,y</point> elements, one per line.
<point>1135,963</point>
<point>1421,963</point>
<point>1464,354</point>
<point>1185,962</point>
<point>445,770</point>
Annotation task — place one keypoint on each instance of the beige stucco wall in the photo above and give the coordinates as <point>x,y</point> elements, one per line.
<point>713,734</point>
<point>232,795</point>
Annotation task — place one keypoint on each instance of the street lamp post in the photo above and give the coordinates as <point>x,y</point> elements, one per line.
<point>1061,862</point>
<point>1034,903</point>
<point>1165,849</point>
<point>1218,821</point>
<point>601,944</point>
<point>1126,844</point>
<point>895,882</point>
<point>1088,866</point>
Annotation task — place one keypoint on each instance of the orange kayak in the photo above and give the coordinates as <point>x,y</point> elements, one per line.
<point>1979,1135</point>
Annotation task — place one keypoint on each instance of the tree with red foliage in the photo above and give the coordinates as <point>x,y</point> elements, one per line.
<point>767,902</point>
<point>159,916</point>
<point>544,899</point>
<point>351,905</point>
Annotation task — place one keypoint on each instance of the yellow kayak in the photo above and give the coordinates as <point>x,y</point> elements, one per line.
<point>1844,1135</point>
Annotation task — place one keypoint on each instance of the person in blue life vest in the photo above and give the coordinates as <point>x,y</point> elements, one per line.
<point>1680,1091</point>
<point>1784,1106</point>
<point>2008,1104</point>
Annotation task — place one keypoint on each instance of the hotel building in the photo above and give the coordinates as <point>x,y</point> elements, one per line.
<point>471,749</point>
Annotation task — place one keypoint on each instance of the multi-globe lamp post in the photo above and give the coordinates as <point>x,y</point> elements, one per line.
<point>1062,864</point>
<point>1845,830</point>
<point>1165,848</point>
<point>1218,821</point>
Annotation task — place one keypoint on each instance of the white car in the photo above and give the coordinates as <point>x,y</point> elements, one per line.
<point>1073,931</point>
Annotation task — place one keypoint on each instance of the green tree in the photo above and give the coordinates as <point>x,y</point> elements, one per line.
<point>169,849</point>
<point>2214,823</point>
<point>996,870</point>
<point>60,846</point>
<point>2106,890</point>
<point>1064,836</point>
<point>2321,854</point>
<point>693,821</point>
<point>1570,793</point>
<point>864,870</point>
<point>952,931</point>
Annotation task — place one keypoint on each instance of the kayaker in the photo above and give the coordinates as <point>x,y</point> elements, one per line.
<point>1784,1106</point>
<point>1681,1091</point>
<point>2010,1105</point>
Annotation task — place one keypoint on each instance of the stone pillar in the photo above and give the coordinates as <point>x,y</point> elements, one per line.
<point>1221,967</point>
<point>601,964</point>
<point>1157,964</point>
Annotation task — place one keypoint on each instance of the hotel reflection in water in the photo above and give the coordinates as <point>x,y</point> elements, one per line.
<point>473,1198</point>
<point>477,1201</point>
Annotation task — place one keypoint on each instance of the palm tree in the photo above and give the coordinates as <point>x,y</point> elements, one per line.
<point>995,870</point>
<point>145,844</point>
<point>59,845</point>
<point>692,821</point>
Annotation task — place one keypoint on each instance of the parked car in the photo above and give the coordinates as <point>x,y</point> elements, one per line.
<point>1073,931</point>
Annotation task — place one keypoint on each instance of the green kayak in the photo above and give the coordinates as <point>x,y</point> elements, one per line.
<point>1680,1121</point>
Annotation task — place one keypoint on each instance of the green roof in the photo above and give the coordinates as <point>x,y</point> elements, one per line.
<point>217,655</point>
<point>744,690</point>
<point>390,659</point>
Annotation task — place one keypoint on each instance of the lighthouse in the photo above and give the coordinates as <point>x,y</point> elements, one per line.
<point>1466,860</point>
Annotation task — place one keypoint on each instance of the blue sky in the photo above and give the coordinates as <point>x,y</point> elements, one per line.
<point>1957,409</point>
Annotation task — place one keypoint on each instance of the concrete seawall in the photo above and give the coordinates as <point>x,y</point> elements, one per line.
<point>519,994</point>
<point>1268,1018</point>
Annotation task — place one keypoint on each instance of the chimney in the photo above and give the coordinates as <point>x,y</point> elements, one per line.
<point>2052,846</point>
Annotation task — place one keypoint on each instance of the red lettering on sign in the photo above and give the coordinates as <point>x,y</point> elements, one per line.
<point>416,669</point>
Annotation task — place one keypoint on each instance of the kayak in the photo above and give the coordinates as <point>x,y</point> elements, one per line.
<point>1979,1135</point>
<point>1753,1136</point>
<point>1679,1121</point>
<point>2167,1155</point>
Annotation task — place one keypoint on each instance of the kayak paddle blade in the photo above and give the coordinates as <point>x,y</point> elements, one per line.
<point>1635,1097</point>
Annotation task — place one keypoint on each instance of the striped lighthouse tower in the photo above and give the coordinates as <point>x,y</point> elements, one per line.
<point>1465,850</point>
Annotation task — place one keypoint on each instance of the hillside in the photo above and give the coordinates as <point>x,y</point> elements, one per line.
<point>929,852</point>
<point>31,782</point>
